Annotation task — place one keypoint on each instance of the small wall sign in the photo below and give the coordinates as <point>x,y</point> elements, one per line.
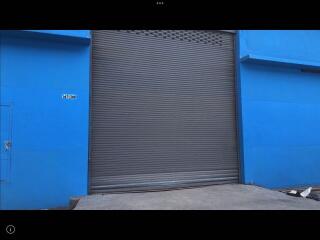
<point>69,96</point>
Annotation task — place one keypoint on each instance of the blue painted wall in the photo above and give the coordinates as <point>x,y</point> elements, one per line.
<point>48,161</point>
<point>292,44</point>
<point>280,108</point>
<point>76,36</point>
<point>85,34</point>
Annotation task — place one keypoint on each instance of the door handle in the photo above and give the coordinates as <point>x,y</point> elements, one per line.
<point>7,145</point>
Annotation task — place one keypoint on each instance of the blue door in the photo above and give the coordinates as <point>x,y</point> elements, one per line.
<point>6,148</point>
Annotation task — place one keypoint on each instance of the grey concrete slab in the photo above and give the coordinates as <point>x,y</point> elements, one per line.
<point>218,197</point>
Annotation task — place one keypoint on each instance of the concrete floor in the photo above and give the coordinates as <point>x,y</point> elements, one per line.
<point>218,197</point>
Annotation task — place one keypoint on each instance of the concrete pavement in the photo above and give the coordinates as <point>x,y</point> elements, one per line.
<point>217,197</point>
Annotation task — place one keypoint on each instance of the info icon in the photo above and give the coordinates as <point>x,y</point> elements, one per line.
<point>10,229</point>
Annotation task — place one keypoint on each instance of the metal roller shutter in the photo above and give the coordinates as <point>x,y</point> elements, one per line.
<point>162,110</point>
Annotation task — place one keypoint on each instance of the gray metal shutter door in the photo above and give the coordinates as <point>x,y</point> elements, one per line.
<point>162,110</point>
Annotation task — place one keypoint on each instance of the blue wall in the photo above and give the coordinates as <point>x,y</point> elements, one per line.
<point>289,44</point>
<point>280,107</point>
<point>81,34</point>
<point>48,162</point>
